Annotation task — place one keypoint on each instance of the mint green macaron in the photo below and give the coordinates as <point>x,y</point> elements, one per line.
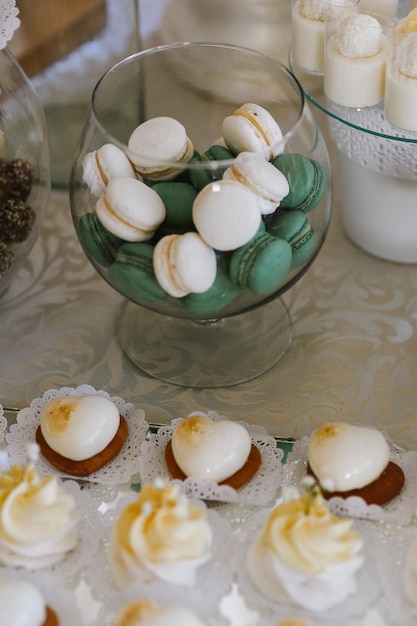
<point>306,179</point>
<point>98,242</point>
<point>132,273</point>
<point>200,177</point>
<point>217,297</point>
<point>294,227</point>
<point>178,198</point>
<point>262,264</point>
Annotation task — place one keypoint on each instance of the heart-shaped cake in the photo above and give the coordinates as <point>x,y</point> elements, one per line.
<point>349,459</point>
<point>214,450</point>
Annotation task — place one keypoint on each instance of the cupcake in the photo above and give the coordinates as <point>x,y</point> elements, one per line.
<point>159,536</point>
<point>146,613</point>
<point>22,604</point>
<point>38,518</point>
<point>305,555</point>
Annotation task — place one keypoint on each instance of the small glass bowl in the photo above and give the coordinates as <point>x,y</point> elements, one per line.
<point>199,85</point>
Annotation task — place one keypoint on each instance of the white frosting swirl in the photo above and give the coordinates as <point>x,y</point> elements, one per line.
<point>160,535</point>
<point>307,536</point>
<point>307,553</point>
<point>37,519</point>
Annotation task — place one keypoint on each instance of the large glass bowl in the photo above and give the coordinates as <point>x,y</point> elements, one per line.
<point>199,85</point>
<point>24,168</point>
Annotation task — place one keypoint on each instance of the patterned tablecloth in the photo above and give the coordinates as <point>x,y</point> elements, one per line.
<point>353,356</point>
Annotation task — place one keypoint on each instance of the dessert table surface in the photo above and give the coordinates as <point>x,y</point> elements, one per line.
<point>353,356</point>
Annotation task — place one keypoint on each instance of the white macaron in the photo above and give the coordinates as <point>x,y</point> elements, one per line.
<point>130,209</point>
<point>101,165</point>
<point>265,180</point>
<point>184,264</point>
<point>226,214</point>
<point>157,145</point>
<point>252,128</point>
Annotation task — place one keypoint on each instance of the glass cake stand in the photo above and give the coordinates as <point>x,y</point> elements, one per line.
<point>376,170</point>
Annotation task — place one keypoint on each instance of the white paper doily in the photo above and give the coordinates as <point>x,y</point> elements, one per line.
<point>261,489</point>
<point>353,607</point>
<point>118,470</point>
<point>8,21</point>
<point>3,423</point>
<point>400,510</point>
<point>213,578</point>
<point>54,591</point>
<point>162,595</point>
<point>391,559</point>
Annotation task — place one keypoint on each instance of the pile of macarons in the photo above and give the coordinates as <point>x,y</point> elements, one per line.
<point>169,221</point>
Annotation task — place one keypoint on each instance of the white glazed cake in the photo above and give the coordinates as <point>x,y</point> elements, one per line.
<point>210,450</point>
<point>22,604</point>
<point>160,536</point>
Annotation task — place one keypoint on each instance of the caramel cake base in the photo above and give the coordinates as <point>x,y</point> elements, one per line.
<point>237,480</point>
<point>87,466</point>
<point>51,618</point>
<point>380,491</point>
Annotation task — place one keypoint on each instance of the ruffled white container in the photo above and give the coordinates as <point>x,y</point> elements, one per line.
<point>213,578</point>
<point>119,470</point>
<point>391,557</point>
<point>260,490</point>
<point>400,510</point>
<point>352,608</point>
<point>162,595</point>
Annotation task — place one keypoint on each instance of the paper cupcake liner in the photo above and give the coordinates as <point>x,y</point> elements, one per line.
<point>55,593</point>
<point>353,607</point>
<point>213,578</point>
<point>391,556</point>
<point>162,595</point>
<point>118,470</point>
<point>260,490</point>
<point>399,510</point>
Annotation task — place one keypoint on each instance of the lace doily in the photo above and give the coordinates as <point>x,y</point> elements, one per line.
<point>213,579</point>
<point>54,591</point>
<point>261,489</point>
<point>162,595</point>
<point>400,510</point>
<point>353,607</point>
<point>3,423</point>
<point>118,470</point>
<point>8,21</point>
